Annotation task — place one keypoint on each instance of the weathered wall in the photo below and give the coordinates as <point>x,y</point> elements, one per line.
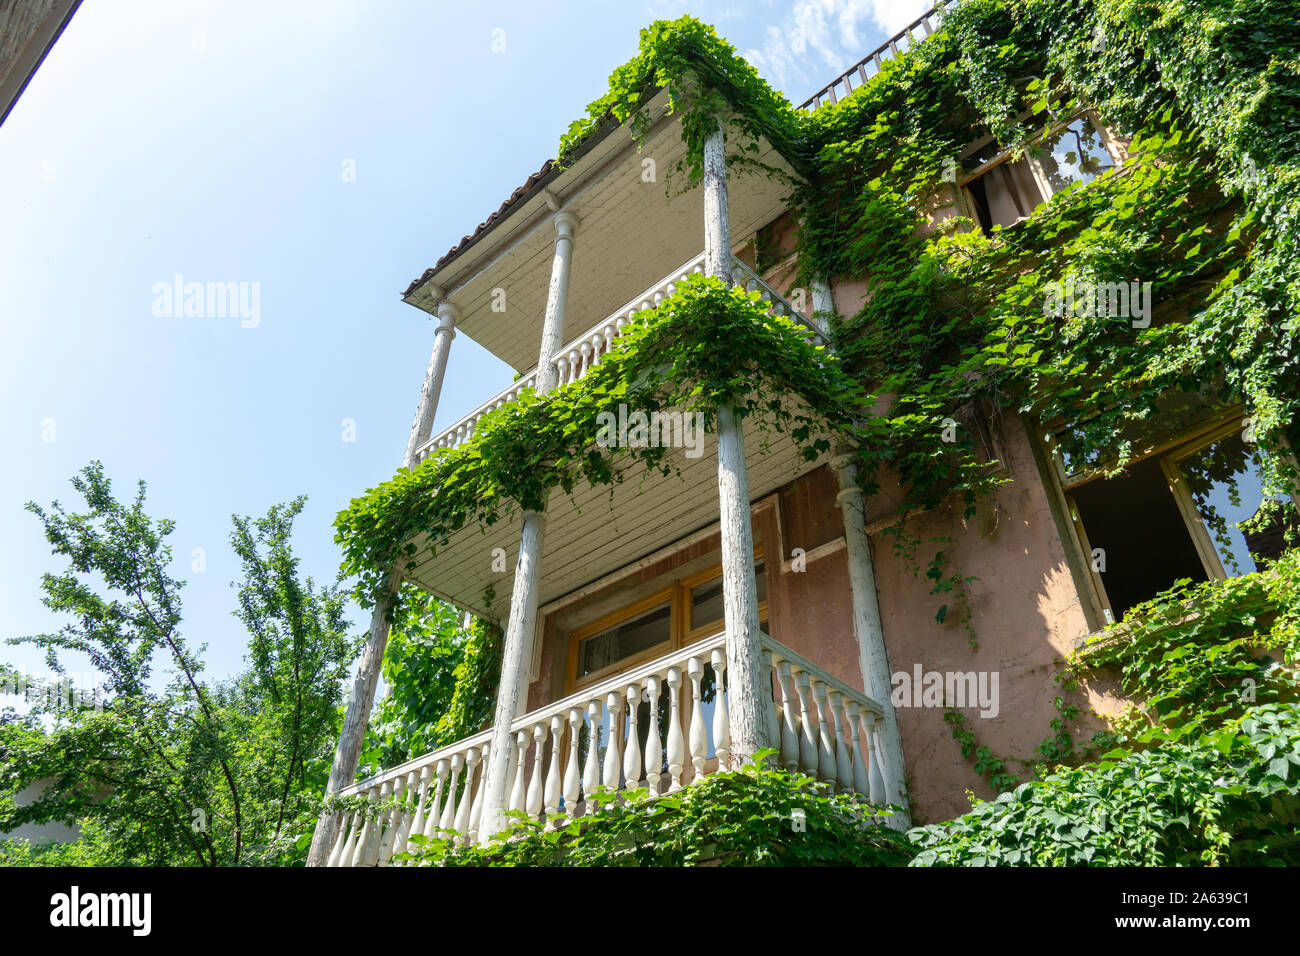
<point>1026,614</point>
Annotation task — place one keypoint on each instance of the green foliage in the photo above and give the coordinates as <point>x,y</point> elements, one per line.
<point>1198,655</point>
<point>182,771</point>
<point>1233,798</point>
<point>748,817</point>
<point>442,681</point>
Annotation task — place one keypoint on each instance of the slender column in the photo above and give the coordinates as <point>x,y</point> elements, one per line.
<point>873,656</point>
<point>448,316</point>
<point>566,224</point>
<point>748,722</point>
<point>514,660</point>
<point>521,627</point>
<point>717,227</point>
<point>362,695</point>
<point>823,304</point>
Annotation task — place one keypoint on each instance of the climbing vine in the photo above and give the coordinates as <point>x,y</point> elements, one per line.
<point>702,347</point>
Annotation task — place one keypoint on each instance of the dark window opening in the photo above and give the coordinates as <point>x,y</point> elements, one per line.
<point>1135,521</point>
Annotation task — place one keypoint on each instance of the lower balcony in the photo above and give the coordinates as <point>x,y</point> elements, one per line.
<point>659,726</point>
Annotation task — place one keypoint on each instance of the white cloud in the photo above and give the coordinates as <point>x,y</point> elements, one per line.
<point>820,38</point>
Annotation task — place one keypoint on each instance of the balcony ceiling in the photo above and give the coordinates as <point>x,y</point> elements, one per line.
<point>631,235</point>
<point>593,533</point>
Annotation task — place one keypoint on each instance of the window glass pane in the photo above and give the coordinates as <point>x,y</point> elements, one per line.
<point>706,599</point>
<point>624,639</point>
<point>1226,485</point>
<point>1074,155</point>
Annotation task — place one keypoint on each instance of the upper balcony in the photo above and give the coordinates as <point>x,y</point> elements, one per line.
<point>584,351</point>
<point>636,224</point>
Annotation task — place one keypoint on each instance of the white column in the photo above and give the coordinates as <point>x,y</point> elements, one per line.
<point>448,316</point>
<point>557,297</point>
<point>362,695</point>
<point>823,304</point>
<point>522,625</point>
<point>747,696</point>
<point>514,660</point>
<point>873,657</point>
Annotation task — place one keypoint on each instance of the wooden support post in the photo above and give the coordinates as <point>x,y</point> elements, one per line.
<point>448,315</point>
<point>557,297</point>
<point>522,625</point>
<point>362,695</point>
<point>873,656</point>
<point>747,691</point>
<point>514,660</point>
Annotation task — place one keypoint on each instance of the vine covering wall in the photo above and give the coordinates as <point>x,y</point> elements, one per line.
<point>1205,209</point>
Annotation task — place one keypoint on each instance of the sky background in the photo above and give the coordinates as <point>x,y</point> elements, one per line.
<point>210,139</point>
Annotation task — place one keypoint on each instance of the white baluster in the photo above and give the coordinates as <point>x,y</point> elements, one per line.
<point>533,802</point>
<point>676,746</point>
<point>860,783</point>
<point>875,780</point>
<point>789,719</point>
<point>613,762</point>
<point>367,851</point>
<point>878,731</point>
<point>391,820</point>
<point>434,816</point>
<point>773,708</point>
<point>476,808</point>
<point>447,823</point>
<point>826,743</point>
<point>843,762</point>
<point>699,736</point>
<point>591,770</point>
<point>561,364</point>
<point>721,728</point>
<point>422,804</point>
<point>632,752</point>
<point>585,361</point>
<point>807,739</point>
<point>556,782</point>
<point>575,365</point>
<point>572,777</point>
<point>346,842</point>
<point>466,805</point>
<point>519,791</point>
<point>412,805</point>
<point>654,753</point>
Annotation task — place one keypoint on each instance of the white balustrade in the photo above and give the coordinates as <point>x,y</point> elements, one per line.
<point>634,739</point>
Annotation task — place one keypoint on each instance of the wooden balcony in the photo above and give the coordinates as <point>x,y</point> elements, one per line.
<point>582,353</point>
<point>654,729</point>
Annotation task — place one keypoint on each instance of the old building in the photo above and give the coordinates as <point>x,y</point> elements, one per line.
<point>628,603</point>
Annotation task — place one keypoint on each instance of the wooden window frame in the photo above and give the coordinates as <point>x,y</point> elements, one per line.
<point>1170,452</point>
<point>1111,143</point>
<point>680,631</point>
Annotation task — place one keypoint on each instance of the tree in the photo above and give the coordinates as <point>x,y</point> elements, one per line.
<point>192,772</point>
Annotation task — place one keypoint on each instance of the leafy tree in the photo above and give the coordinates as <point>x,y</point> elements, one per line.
<point>191,772</point>
<point>442,677</point>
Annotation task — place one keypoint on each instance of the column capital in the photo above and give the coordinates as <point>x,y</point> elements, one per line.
<point>448,316</point>
<point>566,223</point>
<point>539,515</point>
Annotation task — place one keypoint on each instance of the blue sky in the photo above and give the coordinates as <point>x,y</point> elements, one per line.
<point>210,140</point>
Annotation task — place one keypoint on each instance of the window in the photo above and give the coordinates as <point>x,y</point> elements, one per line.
<point>643,629</point>
<point>999,190</point>
<point>688,610</point>
<point>1177,513</point>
